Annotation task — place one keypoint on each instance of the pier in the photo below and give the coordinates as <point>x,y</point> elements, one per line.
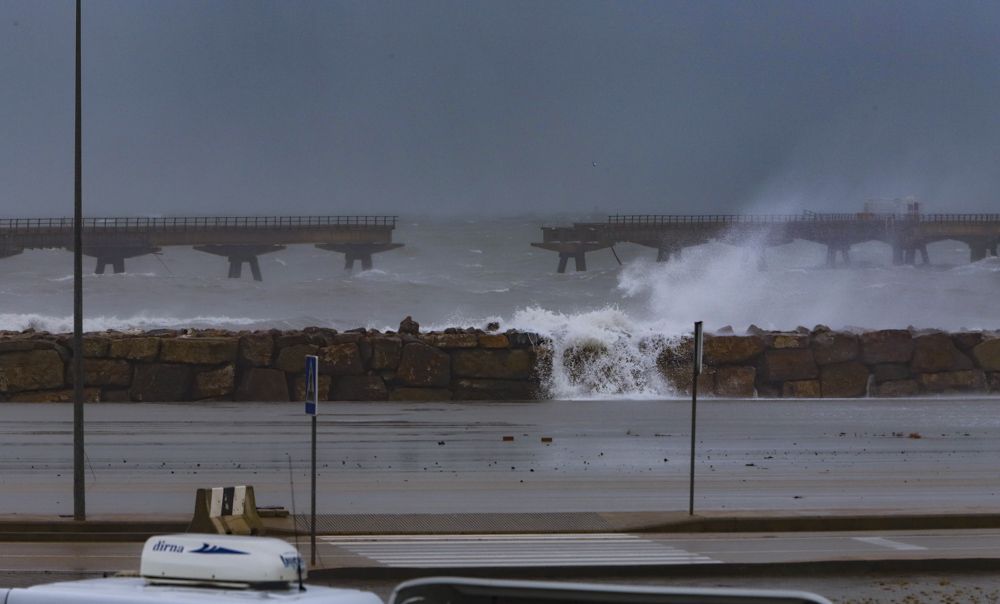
<point>239,239</point>
<point>907,234</point>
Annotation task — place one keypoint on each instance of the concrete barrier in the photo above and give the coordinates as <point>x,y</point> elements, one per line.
<point>226,511</point>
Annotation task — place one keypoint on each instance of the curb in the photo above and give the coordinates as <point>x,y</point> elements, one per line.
<point>68,530</point>
<point>784,569</point>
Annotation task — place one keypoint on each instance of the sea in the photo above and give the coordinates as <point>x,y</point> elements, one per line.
<point>468,272</point>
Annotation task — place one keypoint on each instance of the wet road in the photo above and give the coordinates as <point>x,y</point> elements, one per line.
<point>914,455</point>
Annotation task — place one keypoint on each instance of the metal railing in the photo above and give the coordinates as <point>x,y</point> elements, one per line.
<point>186,223</point>
<point>809,217</point>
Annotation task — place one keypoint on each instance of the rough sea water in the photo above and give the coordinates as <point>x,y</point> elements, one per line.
<point>469,272</point>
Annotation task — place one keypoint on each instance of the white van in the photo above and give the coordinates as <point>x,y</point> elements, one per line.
<point>189,568</point>
<point>226,569</point>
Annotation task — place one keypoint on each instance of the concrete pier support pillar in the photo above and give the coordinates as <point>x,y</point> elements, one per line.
<point>662,254</point>
<point>351,257</point>
<point>358,251</point>
<point>237,255</point>
<point>898,255</point>
<point>831,254</point>
<point>117,264</point>
<point>925,258</point>
<point>579,260</point>
<point>977,252</point>
<point>115,256</point>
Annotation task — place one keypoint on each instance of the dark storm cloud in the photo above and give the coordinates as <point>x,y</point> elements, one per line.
<point>415,107</point>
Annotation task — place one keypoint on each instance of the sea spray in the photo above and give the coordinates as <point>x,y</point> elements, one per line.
<point>597,354</point>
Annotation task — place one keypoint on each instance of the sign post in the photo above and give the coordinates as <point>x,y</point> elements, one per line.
<point>312,408</point>
<point>698,347</point>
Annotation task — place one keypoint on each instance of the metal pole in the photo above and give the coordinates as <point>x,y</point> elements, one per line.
<point>312,521</point>
<point>695,371</point>
<point>79,493</point>
<point>694,412</point>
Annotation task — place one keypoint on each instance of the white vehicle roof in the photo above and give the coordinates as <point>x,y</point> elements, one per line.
<point>128,590</point>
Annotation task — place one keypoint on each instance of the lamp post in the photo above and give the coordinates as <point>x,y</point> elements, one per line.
<point>79,494</point>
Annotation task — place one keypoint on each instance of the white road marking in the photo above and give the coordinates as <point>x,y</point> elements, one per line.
<point>897,545</point>
<point>471,551</point>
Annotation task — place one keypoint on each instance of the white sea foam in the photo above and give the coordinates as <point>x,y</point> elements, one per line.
<point>62,324</point>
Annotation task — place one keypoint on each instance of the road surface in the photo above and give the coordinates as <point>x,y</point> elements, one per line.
<point>553,456</point>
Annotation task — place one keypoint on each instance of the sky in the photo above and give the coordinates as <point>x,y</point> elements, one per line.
<point>500,107</point>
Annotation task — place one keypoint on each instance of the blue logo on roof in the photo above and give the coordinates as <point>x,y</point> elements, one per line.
<point>216,549</point>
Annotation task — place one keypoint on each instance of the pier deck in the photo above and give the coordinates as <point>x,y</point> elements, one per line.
<point>907,234</point>
<point>241,239</point>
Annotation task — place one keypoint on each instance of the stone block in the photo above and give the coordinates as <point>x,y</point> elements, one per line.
<point>103,372</point>
<point>897,388</point>
<point>386,351</point>
<point>420,394</point>
<point>835,347</point>
<point>843,380</point>
<point>263,385</point>
<point>451,340</point>
<point>524,339</point>
<point>790,340</point>
<point>735,381</point>
<point>801,389</point>
<point>937,352</point>
<point>199,351</point>
<point>95,346</point>
<point>494,390</point>
<point>732,350</point>
<point>31,370</point>
<point>493,364</point>
<point>215,382</point>
<point>993,381</point>
<point>346,338</point>
<point>790,364</point>
<point>299,388</point>
<point>493,340</point>
<point>423,365</point>
<point>24,344</point>
<point>90,395</point>
<point>680,377</point>
<point>162,383</point>
<point>286,339</point>
<point>256,349</point>
<point>973,380</point>
<point>967,340</point>
<point>886,346</point>
<point>360,388</point>
<point>293,358</point>
<point>134,349</point>
<point>341,359</point>
<point>987,355</point>
<point>891,372</point>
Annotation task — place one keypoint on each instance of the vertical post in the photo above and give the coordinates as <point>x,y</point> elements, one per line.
<point>312,513</point>
<point>312,408</point>
<point>79,492</point>
<point>694,407</point>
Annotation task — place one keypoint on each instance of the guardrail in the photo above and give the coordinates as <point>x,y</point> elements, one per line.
<point>809,217</point>
<point>184,223</point>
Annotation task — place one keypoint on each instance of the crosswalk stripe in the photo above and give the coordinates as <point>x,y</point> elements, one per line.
<point>516,551</point>
<point>889,543</point>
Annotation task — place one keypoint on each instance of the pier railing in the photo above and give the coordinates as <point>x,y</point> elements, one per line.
<point>185,223</point>
<point>809,217</point>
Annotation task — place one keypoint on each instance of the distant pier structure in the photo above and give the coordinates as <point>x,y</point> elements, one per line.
<point>908,234</point>
<point>240,239</point>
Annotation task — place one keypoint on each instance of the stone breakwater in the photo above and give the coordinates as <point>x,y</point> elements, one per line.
<point>834,364</point>
<point>169,366</point>
<point>470,364</point>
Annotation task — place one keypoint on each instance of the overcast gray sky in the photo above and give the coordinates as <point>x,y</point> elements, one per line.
<point>317,107</point>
